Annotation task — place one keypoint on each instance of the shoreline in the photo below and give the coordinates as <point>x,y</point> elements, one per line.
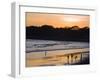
<point>64,59</point>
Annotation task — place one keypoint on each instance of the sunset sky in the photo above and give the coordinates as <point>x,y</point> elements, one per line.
<point>56,20</point>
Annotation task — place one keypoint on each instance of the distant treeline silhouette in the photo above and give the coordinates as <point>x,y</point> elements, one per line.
<point>48,32</point>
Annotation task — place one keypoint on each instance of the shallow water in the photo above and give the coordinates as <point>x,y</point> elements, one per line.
<point>45,52</point>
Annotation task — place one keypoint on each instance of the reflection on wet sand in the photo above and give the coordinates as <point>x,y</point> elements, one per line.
<point>51,58</point>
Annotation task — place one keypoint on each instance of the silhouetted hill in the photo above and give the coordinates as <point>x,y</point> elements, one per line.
<point>48,32</point>
<point>74,28</point>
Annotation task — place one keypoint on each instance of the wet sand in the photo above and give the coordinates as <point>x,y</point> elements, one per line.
<point>55,58</point>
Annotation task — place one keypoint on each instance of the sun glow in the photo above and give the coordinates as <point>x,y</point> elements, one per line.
<point>71,19</point>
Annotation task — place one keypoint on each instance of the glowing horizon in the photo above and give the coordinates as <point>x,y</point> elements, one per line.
<point>57,20</point>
